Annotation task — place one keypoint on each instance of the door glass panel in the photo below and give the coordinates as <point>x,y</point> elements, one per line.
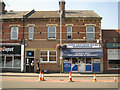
<point>8,61</point>
<point>17,61</point>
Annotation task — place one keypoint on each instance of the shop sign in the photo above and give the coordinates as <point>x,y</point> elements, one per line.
<point>5,49</point>
<point>96,61</point>
<point>112,45</point>
<point>82,53</point>
<point>83,45</point>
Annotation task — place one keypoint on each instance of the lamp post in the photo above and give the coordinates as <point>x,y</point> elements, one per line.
<point>61,35</point>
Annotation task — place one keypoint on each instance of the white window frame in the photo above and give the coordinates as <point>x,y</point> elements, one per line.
<point>90,32</point>
<point>30,33</point>
<point>51,32</point>
<point>48,56</point>
<point>113,54</point>
<point>17,28</point>
<point>12,61</point>
<point>69,32</point>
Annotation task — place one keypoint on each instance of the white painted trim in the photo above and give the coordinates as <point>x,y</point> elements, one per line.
<point>22,58</point>
<point>30,25</point>
<point>14,25</point>
<point>90,24</point>
<point>69,24</point>
<point>51,24</point>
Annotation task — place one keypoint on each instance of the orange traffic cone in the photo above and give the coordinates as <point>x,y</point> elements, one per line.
<point>70,77</point>
<point>40,76</point>
<point>43,77</point>
<point>115,79</point>
<point>94,78</point>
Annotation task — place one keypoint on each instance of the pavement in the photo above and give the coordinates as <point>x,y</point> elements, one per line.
<point>55,75</point>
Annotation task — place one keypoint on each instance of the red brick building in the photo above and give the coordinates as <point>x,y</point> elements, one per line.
<point>11,46</point>
<point>111,49</point>
<point>80,51</point>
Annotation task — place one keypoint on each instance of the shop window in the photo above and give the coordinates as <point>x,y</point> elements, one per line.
<point>8,61</point>
<point>69,32</point>
<point>74,60</point>
<point>67,59</point>
<point>2,60</point>
<point>88,60</point>
<point>51,32</point>
<point>14,33</point>
<point>81,60</point>
<point>113,64</point>
<point>30,32</point>
<point>30,53</point>
<point>17,61</point>
<point>90,33</point>
<point>48,56</point>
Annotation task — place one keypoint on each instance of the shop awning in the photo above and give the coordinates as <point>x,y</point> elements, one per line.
<point>82,52</point>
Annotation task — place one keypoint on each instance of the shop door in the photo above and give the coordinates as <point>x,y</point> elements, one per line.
<point>96,65</point>
<point>81,65</point>
<point>74,65</point>
<point>30,65</point>
<point>66,66</point>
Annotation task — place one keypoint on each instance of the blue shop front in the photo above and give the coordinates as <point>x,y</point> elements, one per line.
<point>83,58</point>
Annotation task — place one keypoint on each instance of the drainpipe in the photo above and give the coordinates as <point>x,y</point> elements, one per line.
<point>60,37</point>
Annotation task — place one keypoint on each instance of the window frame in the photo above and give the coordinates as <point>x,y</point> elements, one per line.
<point>30,33</point>
<point>51,32</point>
<point>69,32</point>
<point>48,56</point>
<point>90,32</point>
<point>17,30</point>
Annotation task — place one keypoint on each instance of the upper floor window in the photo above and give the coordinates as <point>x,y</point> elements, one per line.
<point>30,32</point>
<point>51,32</point>
<point>14,32</point>
<point>90,32</point>
<point>69,32</point>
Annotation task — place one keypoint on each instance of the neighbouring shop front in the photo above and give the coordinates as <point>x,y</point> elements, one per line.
<point>113,56</point>
<point>84,58</point>
<point>12,57</point>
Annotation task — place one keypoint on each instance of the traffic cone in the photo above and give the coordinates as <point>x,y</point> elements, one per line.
<point>115,79</point>
<point>43,77</point>
<point>94,78</point>
<point>40,76</point>
<point>70,77</point>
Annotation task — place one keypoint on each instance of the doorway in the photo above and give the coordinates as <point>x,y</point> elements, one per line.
<point>30,65</point>
<point>81,64</point>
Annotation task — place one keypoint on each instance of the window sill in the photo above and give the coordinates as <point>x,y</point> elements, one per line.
<point>51,39</point>
<point>30,39</point>
<point>48,62</point>
<point>113,68</point>
<point>14,39</point>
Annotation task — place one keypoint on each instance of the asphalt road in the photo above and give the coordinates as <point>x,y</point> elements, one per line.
<point>57,82</point>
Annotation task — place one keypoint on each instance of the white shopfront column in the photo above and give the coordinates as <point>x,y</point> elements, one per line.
<point>22,58</point>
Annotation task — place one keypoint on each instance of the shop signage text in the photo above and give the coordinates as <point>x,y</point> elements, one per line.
<point>82,53</point>
<point>83,45</point>
<point>5,49</point>
<point>112,45</point>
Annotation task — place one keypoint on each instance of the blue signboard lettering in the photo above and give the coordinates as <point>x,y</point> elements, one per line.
<point>82,52</point>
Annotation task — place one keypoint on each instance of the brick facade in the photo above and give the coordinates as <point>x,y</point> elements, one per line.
<point>109,36</point>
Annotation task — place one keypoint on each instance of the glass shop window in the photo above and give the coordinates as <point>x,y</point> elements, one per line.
<point>88,60</point>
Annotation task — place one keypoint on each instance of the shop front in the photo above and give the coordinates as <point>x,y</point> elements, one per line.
<point>83,58</point>
<point>113,58</point>
<point>12,57</point>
